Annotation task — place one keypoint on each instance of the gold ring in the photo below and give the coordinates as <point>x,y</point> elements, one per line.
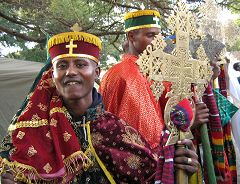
<point>189,160</point>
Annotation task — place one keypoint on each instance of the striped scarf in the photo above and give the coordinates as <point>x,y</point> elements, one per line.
<point>229,148</point>
<point>216,138</point>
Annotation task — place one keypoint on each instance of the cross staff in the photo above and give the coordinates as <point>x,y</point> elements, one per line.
<point>179,68</point>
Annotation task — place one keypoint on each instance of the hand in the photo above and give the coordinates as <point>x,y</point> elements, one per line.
<point>8,178</point>
<point>186,159</point>
<point>202,115</point>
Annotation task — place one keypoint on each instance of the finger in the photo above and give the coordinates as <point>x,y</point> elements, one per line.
<point>186,153</point>
<point>203,115</point>
<point>189,144</point>
<point>186,161</point>
<point>202,111</point>
<point>189,169</point>
<point>201,105</point>
<point>202,121</point>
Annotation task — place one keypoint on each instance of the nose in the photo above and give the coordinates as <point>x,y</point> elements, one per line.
<point>71,70</point>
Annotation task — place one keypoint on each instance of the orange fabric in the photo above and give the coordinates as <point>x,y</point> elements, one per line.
<point>126,93</point>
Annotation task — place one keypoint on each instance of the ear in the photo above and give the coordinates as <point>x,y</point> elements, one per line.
<point>97,71</point>
<point>131,36</point>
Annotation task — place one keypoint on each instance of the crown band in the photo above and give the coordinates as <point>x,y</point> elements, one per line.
<point>75,55</point>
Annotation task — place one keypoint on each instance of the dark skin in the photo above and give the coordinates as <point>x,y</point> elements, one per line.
<point>201,116</point>
<point>74,79</point>
<point>138,40</point>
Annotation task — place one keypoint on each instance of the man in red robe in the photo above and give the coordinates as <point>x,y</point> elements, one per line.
<point>126,92</point>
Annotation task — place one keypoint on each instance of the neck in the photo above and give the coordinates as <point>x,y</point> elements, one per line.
<point>132,50</point>
<point>78,107</point>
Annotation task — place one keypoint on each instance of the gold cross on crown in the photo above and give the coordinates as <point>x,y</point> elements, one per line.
<point>71,46</point>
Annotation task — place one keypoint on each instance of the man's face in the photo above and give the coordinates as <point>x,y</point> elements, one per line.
<point>141,38</point>
<point>74,77</point>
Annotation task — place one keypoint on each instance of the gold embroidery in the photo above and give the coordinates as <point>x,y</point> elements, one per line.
<point>48,134</point>
<point>31,151</point>
<point>53,122</point>
<point>58,109</point>
<point>35,117</point>
<point>132,137</point>
<point>42,107</point>
<point>29,105</point>
<point>97,139</point>
<point>55,99</point>
<point>133,161</point>
<point>20,135</point>
<point>47,168</point>
<point>45,84</point>
<point>24,124</point>
<point>66,136</point>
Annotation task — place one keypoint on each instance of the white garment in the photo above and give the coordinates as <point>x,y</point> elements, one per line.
<point>234,88</point>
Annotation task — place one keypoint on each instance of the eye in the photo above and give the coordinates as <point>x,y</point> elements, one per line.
<point>81,63</point>
<point>150,35</point>
<point>61,65</point>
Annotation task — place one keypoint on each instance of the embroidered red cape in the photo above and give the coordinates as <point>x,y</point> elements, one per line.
<point>47,149</point>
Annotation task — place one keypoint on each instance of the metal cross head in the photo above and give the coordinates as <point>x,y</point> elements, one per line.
<point>76,28</point>
<point>178,68</point>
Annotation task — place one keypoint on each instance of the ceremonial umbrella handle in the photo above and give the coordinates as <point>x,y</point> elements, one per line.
<point>207,154</point>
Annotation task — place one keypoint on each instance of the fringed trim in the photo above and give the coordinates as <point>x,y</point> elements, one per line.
<point>76,36</point>
<point>106,172</point>
<point>19,169</point>
<point>141,13</point>
<point>25,124</point>
<point>71,163</point>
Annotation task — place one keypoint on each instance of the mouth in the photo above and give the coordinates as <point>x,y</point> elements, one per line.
<point>71,83</point>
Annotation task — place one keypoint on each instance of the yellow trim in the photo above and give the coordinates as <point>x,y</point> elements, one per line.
<point>142,26</point>
<point>57,109</point>
<point>76,36</point>
<point>110,178</point>
<point>75,55</point>
<point>141,13</point>
<point>26,124</point>
<point>217,141</point>
<point>232,168</point>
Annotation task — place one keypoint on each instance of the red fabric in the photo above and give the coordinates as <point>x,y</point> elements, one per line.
<point>126,93</point>
<point>82,48</point>
<point>49,148</point>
